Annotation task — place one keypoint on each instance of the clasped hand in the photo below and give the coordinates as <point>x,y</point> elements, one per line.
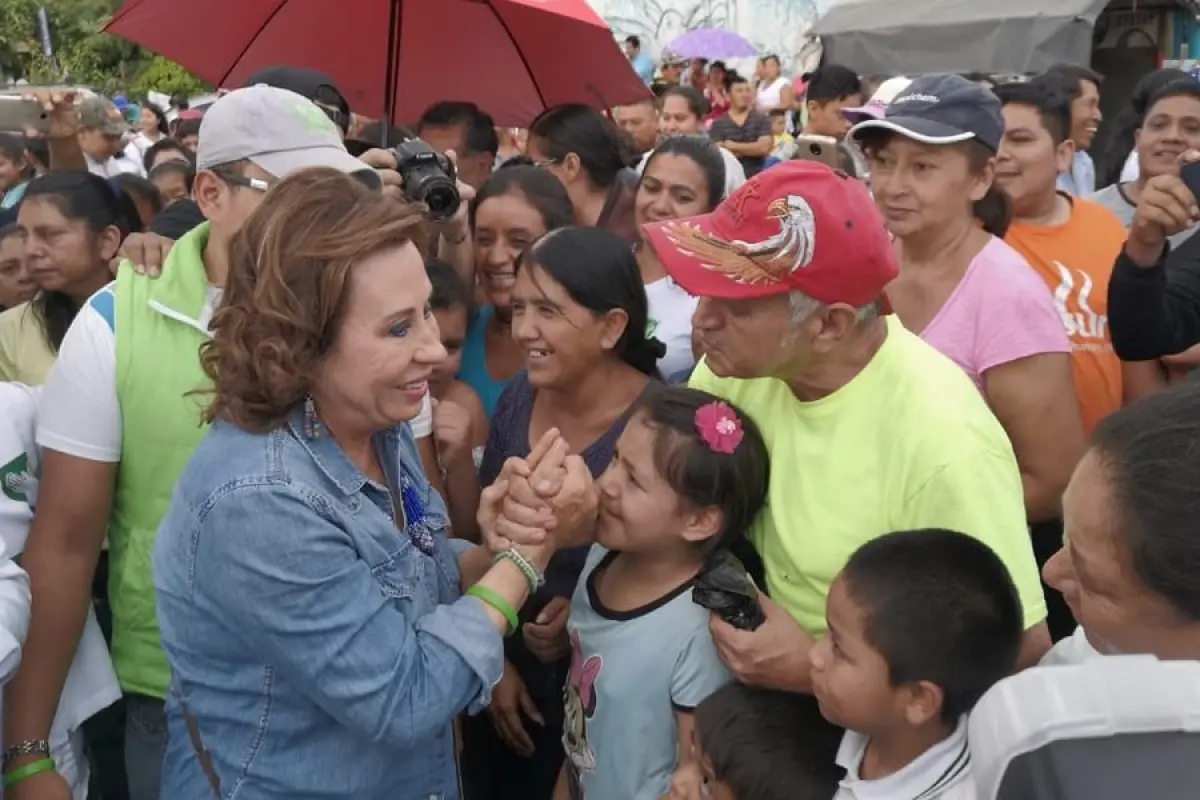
<point>549,496</point>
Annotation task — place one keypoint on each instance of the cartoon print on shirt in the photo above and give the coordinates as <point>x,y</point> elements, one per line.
<point>580,703</point>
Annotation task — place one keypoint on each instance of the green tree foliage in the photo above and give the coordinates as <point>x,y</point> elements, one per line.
<point>85,54</point>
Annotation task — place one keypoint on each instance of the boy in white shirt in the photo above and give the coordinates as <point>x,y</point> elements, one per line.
<point>921,624</point>
<point>91,683</point>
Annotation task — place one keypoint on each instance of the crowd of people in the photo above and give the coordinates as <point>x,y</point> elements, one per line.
<point>308,494</point>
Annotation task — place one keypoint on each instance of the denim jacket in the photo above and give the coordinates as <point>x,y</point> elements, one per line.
<point>321,654</point>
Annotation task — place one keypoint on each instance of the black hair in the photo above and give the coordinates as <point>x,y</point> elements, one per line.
<point>994,209</point>
<point>736,483</point>
<point>183,169</point>
<point>831,82</point>
<point>1148,450</point>
<point>976,77</point>
<point>177,219</point>
<point>162,146</point>
<point>99,205</point>
<point>187,127</point>
<point>1069,78</point>
<point>135,186</point>
<point>542,190</point>
<point>634,40</point>
<point>704,153</point>
<point>12,147</point>
<point>769,745</point>
<point>480,129</point>
<point>941,607</point>
<point>733,78</point>
<point>597,269</point>
<point>697,103</point>
<point>372,133</point>
<point>1052,106</point>
<point>519,160</point>
<point>584,131</point>
<point>1184,88</point>
<point>718,64</point>
<point>159,115</point>
<point>1125,124</point>
<point>449,290</point>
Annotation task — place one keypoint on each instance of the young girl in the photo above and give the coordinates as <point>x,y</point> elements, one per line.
<point>460,425</point>
<point>688,476</point>
<point>91,684</point>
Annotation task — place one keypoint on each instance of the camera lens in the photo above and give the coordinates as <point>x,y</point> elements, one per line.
<point>441,196</point>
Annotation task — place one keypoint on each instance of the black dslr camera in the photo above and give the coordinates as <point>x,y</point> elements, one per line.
<point>429,178</point>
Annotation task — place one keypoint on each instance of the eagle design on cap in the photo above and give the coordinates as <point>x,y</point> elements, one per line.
<point>768,261</point>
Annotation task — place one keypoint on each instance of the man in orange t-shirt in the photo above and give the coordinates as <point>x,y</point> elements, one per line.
<point>1072,243</point>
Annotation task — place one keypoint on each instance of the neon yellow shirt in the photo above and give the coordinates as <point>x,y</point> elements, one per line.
<point>908,444</point>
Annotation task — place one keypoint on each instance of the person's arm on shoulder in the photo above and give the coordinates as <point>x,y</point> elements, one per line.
<point>978,491</point>
<point>322,620</point>
<point>80,434</point>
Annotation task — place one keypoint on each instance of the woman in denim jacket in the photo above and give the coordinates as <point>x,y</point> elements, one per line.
<point>308,597</point>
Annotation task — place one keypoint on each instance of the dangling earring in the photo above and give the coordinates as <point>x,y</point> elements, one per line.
<point>312,423</point>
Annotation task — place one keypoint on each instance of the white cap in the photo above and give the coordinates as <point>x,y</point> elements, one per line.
<point>280,131</point>
<point>875,108</point>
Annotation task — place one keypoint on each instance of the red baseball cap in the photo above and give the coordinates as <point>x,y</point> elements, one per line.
<point>798,226</point>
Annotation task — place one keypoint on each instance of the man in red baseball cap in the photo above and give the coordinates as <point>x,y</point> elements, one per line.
<point>871,430</point>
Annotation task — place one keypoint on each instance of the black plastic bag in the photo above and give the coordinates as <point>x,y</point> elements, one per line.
<point>726,589</point>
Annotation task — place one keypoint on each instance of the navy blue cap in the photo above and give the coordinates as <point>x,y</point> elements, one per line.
<point>942,109</point>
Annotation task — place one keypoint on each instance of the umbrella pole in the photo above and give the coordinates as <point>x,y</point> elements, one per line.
<point>393,64</point>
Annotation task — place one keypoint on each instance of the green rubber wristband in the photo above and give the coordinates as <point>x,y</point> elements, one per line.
<point>486,595</point>
<point>28,771</point>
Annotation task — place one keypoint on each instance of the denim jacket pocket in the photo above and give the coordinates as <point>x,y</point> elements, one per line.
<point>399,575</point>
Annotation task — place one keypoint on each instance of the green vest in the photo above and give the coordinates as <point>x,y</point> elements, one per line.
<point>158,366</point>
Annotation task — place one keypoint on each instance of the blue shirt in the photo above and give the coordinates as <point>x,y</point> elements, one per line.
<point>320,651</point>
<point>644,66</point>
<point>473,370</point>
<point>631,672</point>
<point>1080,180</point>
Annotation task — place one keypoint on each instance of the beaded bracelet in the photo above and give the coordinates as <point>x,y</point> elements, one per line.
<point>488,597</point>
<point>535,577</point>
<point>30,747</point>
<point>28,771</point>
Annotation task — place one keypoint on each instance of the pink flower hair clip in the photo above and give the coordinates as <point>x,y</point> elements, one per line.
<point>720,427</point>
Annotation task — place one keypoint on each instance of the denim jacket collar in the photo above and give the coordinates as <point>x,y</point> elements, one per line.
<point>327,455</point>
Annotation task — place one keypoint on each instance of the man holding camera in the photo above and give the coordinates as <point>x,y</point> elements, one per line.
<point>131,355</point>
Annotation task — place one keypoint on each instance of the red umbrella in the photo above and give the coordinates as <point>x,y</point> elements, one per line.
<point>513,58</point>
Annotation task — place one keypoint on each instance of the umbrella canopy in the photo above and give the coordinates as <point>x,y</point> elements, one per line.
<point>712,43</point>
<point>513,58</point>
<point>915,37</point>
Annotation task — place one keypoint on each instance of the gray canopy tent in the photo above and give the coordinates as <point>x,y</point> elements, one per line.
<point>913,37</point>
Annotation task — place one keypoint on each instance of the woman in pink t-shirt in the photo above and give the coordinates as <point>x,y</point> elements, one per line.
<point>963,290</point>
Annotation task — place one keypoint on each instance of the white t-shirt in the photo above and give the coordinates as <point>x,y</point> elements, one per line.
<point>943,772</point>
<point>81,411</point>
<point>671,309</point>
<point>769,95</point>
<point>129,162</point>
<point>91,684</point>
<point>735,173</point>
<point>1132,168</point>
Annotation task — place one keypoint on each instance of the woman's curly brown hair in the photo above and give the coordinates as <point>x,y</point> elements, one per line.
<point>287,287</point>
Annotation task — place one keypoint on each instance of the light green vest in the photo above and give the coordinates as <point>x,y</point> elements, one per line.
<point>158,366</point>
